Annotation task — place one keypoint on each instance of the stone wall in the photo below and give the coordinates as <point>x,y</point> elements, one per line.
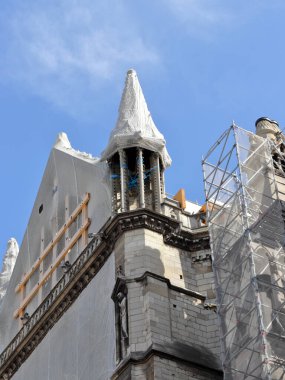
<point>167,291</point>
<point>159,368</point>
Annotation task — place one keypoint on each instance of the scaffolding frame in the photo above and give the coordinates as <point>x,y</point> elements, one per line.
<point>246,227</point>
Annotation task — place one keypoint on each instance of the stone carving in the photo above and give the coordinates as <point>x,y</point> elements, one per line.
<point>120,298</point>
<point>173,214</point>
<point>120,271</point>
<point>81,273</point>
<point>122,303</point>
<point>278,156</point>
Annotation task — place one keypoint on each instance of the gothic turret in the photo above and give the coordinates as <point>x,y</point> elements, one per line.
<point>136,153</point>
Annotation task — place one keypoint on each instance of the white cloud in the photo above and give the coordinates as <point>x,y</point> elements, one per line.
<point>198,10</point>
<point>201,17</point>
<point>205,17</point>
<point>63,48</point>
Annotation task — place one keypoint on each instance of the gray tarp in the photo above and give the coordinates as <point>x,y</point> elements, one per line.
<point>65,174</point>
<point>81,345</point>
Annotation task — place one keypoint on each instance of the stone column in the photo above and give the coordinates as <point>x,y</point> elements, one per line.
<point>123,174</point>
<point>157,184</point>
<point>141,178</point>
<point>162,182</point>
<point>116,185</point>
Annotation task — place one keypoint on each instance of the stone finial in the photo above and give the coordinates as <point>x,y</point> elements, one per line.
<point>267,128</point>
<point>62,141</point>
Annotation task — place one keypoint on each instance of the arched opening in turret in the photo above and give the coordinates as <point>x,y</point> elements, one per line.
<point>137,179</point>
<point>114,164</point>
<point>131,154</point>
<point>133,185</point>
<point>148,176</point>
<point>278,157</point>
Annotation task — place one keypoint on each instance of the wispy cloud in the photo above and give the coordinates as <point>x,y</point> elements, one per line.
<point>202,17</point>
<point>199,10</point>
<point>62,49</point>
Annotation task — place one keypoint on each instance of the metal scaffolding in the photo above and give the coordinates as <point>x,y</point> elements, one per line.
<point>246,226</point>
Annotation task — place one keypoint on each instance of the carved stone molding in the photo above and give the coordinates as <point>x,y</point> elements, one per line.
<point>176,288</point>
<point>203,360</point>
<point>82,271</point>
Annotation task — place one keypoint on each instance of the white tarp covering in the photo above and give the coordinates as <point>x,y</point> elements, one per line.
<point>81,345</point>
<point>135,126</point>
<point>68,174</point>
<point>8,266</point>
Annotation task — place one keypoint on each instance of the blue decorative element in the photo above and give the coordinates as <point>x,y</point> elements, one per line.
<point>133,179</point>
<point>115,176</point>
<point>147,173</point>
<point>133,182</point>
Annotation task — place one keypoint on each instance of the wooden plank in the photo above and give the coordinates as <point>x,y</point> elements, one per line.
<point>53,251</point>
<point>85,233</point>
<point>66,215</point>
<point>41,267</point>
<point>58,236</point>
<point>53,267</point>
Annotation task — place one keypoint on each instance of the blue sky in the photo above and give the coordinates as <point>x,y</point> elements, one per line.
<point>201,64</point>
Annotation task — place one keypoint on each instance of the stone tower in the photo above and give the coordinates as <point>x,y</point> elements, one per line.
<point>113,279</point>
<point>162,260</point>
<point>136,154</point>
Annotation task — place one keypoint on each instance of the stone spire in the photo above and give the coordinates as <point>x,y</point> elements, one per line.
<point>135,126</point>
<point>8,265</point>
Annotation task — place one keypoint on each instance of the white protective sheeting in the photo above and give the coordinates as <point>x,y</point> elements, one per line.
<point>8,266</point>
<point>192,208</point>
<point>81,345</point>
<point>68,176</point>
<point>63,143</point>
<point>135,126</point>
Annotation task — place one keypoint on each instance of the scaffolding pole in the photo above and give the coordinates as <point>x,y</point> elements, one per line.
<point>246,227</point>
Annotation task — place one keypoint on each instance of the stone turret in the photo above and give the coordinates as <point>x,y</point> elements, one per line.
<point>136,153</point>
<point>267,128</point>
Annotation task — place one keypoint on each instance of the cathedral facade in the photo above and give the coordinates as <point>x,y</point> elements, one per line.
<point>113,279</point>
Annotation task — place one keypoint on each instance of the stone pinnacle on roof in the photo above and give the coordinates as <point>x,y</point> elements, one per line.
<point>62,141</point>
<point>8,265</point>
<point>135,126</point>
